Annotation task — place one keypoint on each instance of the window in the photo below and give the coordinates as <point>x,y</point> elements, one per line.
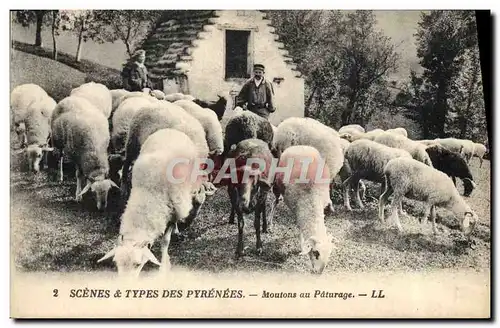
<point>237,54</point>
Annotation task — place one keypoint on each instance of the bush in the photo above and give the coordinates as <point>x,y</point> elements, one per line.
<point>385,120</point>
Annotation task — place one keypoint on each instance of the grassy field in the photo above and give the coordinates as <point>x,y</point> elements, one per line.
<point>51,232</point>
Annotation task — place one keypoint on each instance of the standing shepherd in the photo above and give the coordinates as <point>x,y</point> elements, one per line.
<point>257,93</point>
<point>135,74</point>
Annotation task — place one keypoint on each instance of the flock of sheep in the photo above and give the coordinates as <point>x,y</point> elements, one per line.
<point>125,140</point>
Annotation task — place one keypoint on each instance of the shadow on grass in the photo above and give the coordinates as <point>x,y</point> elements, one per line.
<point>377,233</point>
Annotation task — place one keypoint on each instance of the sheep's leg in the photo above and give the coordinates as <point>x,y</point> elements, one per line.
<point>355,182</point>
<point>165,258</point>
<point>262,205</point>
<point>268,219</point>
<point>394,206</point>
<point>347,187</point>
<point>241,226</point>
<point>480,162</point>
<point>79,178</point>
<point>233,198</point>
<point>433,218</point>
<point>362,187</point>
<point>454,180</point>
<point>423,220</point>
<point>124,180</point>
<point>61,160</point>
<point>256,224</point>
<point>383,200</point>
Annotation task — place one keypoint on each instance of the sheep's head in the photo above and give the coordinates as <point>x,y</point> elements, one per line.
<point>100,190</point>
<point>468,223</point>
<point>319,251</point>
<point>248,188</point>
<point>130,257</point>
<point>469,187</point>
<point>34,155</point>
<point>347,136</point>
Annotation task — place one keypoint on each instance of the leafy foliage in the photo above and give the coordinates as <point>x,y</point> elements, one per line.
<point>345,60</point>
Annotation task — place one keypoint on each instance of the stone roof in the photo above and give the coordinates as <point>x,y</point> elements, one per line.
<point>169,45</point>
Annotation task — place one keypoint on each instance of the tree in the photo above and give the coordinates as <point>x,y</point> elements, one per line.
<point>128,26</point>
<point>28,17</point>
<point>344,59</point>
<point>86,25</point>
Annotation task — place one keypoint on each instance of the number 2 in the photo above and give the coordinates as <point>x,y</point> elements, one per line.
<point>55,291</point>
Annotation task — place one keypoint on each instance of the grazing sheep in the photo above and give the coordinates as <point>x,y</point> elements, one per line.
<point>219,106</point>
<point>152,118</point>
<point>173,97</point>
<point>210,123</point>
<point>296,131</point>
<point>401,131</point>
<point>416,149</point>
<point>462,146</point>
<point>406,177</point>
<point>158,94</point>
<point>428,142</point>
<point>37,133</point>
<point>122,118</point>
<point>307,201</point>
<point>97,94</point>
<point>247,125</point>
<point>309,132</point>
<point>479,151</point>
<point>156,203</point>
<point>21,97</point>
<point>345,172</point>
<point>80,131</point>
<point>352,129</point>
<point>453,164</point>
<point>250,192</point>
<point>370,135</point>
<point>367,159</point>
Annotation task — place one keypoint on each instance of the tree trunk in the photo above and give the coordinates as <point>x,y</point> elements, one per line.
<point>54,41</point>
<point>307,113</point>
<point>129,50</point>
<point>39,24</point>
<point>79,49</point>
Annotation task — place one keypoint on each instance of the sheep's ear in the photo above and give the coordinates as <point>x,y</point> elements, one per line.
<point>108,255</point>
<point>468,213</point>
<point>84,190</point>
<point>48,149</point>
<point>265,184</point>
<point>113,184</point>
<point>19,151</point>
<point>149,256</point>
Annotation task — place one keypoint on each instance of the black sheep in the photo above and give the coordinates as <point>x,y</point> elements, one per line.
<point>219,106</point>
<point>453,164</point>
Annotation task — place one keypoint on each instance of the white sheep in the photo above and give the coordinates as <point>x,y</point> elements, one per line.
<point>370,135</point>
<point>307,201</point>
<point>156,203</point>
<point>21,97</point>
<point>462,146</point>
<point>309,132</point>
<point>37,133</point>
<point>97,94</point>
<point>80,131</point>
<point>210,123</point>
<point>173,97</point>
<point>352,129</point>
<point>367,160</point>
<point>416,149</point>
<point>158,94</point>
<point>479,151</point>
<point>406,177</point>
<point>401,131</point>
<point>149,119</point>
<point>122,118</point>
<point>345,172</point>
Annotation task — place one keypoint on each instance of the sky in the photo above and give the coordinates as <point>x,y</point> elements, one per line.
<point>400,26</point>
